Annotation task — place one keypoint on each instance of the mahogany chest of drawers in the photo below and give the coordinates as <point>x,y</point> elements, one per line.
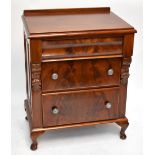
<point>77,68</point>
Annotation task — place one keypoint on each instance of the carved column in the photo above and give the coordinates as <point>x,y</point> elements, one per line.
<point>125,70</point>
<point>36,76</point>
<point>35,68</point>
<point>126,60</point>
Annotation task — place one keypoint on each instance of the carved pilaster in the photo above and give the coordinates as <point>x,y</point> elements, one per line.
<point>125,70</point>
<point>36,76</point>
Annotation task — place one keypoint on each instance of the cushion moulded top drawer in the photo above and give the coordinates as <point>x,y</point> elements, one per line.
<point>81,47</point>
<point>64,75</point>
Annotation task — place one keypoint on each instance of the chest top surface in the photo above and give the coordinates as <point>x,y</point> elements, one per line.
<point>60,21</point>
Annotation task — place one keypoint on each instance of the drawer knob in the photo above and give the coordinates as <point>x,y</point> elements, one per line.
<point>54,76</point>
<point>55,110</point>
<point>108,105</point>
<point>110,71</point>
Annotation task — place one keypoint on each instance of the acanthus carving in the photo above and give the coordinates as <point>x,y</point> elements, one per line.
<point>125,70</point>
<point>36,76</point>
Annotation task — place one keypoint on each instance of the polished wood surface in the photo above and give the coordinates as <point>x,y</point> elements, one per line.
<point>78,46</point>
<point>80,106</point>
<point>76,20</point>
<point>63,23</point>
<point>122,120</point>
<point>80,74</point>
<point>82,47</point>
<point>66,11</point>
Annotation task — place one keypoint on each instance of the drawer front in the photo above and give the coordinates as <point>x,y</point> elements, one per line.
<point>81,47</point>
<point>80,74</point>
<point>80,106</point>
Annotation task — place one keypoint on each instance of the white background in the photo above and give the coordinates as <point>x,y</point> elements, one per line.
<point>95,140</point>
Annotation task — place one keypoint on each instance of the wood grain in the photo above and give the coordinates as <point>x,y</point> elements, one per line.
<point>35,69</point>
<point>44,23</point>
<point>82,47</point>
<point>66,11</point>
<point>82,22</point>
<point>80,106</point>
<point>76,125</point>
<point>80,74</point>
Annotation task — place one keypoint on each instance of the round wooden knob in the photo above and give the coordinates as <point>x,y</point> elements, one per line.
<point>54,76</point>
<point>110,72</point>
<point>108,105</point>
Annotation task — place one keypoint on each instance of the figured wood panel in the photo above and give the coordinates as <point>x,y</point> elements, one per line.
<point>80,106</point>
<point>81,47</point>
<point>80,74</point>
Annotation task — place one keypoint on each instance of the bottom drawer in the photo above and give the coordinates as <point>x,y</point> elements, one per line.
<point>80,106</point>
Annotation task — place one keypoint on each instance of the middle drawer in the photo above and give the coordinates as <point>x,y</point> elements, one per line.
<point>79,74</point>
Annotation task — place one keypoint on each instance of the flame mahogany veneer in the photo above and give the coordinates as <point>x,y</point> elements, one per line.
<point>77,67</point>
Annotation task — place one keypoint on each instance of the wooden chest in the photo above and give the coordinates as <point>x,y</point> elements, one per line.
<point>77,68</point>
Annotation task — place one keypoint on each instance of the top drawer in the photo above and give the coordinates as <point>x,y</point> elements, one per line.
<point>81,47</point>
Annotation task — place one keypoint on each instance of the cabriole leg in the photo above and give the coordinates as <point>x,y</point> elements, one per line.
<point>123,126</point>
<point>34,136</point>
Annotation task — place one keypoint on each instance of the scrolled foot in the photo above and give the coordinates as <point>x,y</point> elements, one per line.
<point>122,136</point>
<point>34,136</point>
<point>34,146</point>
<point>123,126</point>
